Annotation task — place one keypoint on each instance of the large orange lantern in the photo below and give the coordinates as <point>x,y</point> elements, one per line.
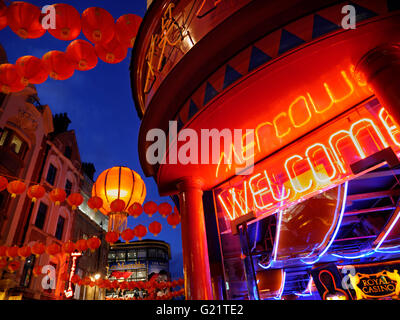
<point>118,183</point>
<point>126,28</point>
<point>36,192</point>
<point>112,52</point>
<point>58,64</point>
<point>32,69</point>
<point>25,20</point>
<point>16,188</point>
<point>11,80</point>
<point>82,54</point>
<point>68,22</point>
<point>98,25</point>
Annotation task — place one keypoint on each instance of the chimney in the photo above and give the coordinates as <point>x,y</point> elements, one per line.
<point>61,122</point>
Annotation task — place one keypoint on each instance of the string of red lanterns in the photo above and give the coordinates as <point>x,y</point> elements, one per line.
<point>109,39</point>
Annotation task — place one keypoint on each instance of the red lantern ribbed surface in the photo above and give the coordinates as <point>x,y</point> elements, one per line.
<point>16,188</point>
<point>68,22</point>
<point>112,52</point>
<point>82,54</point>
<point>135,210</point>
<point>98,25</point>
<point>150,208</point>
<point>36,192</point>
<point>140,231</point>
<point>24,19</point>
<point>95,203</point>
<point>117,205</point>
<point>127,235</point>
<point>174,219</point>
<point>75,200</point>
<point>38,248</point>
<point>93,243</point>
<point>57,196</point>
<point>32,69</point>
<point>155,228</point>
<point>59,66</point>
<point>164,209</point>
<point>112,236</point>
<point>126,29</point>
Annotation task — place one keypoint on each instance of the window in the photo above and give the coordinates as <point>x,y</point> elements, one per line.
<point>141,274</point>
<point>152,253</point>
<point>3,137</point>
<point>68,152</point>
<point>27,271</point>
<point>51,174</point>
<point>142,253</point>
<point>132,255</point>
<point>121,256</point>
<point>60,228</point>
<point>16,144</point>
<point>111,256</point>
<point>68,187</point>
<point>161,254</point>
<point>41,215</point>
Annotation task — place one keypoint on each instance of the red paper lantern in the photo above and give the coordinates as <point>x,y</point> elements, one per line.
<point>75,200</point>
<point>150,208</point>
<point>140,231</point>
<point>36,192</point>
<point>95,203</point>
<point>24,252</point>
<point>37,271</point>
<point>111,52</point>
<point>16,188</point>
<point>14,266</point>
<point>127,235</point>
<point>75,279</point>
<point>3,183</point>
<point>25,20</point>
<point>12,252</point>
<point>112,236</point>
<point>164,209</point>
<point>98,25</point>
<point>32,69</point>
<point>11,79</point>
<point>53,249</point>
<point>68,247</point>
<point>57,196</point>
<point>83,55</point>
<point>117,205</point>
<point>3,251</point>
<point>3,263</point>
<point>38,248</point>
<point>3,15</point>
<point>58,65</point>
<point>82,245</point>
<point>93,243</point>
<point>68,22</point>
<point>155,228</point>
<point>124,285</point>
<point>135,210</point>
<point>126,28</point>
<point>86,281</point>
<point>174,219</point>
<point>115,284</point>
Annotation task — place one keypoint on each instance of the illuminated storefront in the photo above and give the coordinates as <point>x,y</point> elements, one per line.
<point>322,102</point>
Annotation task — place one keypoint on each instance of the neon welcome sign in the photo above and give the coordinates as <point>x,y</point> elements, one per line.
<point>312,164</point>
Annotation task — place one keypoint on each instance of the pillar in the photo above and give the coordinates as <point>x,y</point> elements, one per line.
<point>380,67</point>
<point>196,264</point>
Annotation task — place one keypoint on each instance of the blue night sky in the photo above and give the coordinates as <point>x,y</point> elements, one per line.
<point>100,105</point>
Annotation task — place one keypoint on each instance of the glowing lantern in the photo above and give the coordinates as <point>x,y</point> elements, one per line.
<point>59,66</point>
<point>150,208</point>
<point>3,183</point>
<point>155,228</point>
<point>135,210</point>
<point>95,203</point>
<point>112,236</point>
<point>68,247</point>
<point>126,28</point>
<point>37,271</point>
<point>10,79</point>
<point>36,192</point>
<point>38,248</point>
<point>3,263</point>
<point>53,249</point>
<point>12,252</point>
<point>111,52</point>
<point>118,183</point>
<point>25,20</point>
<point>82,245</point>
<point>98,25</point>
<point>75,200</point>
<point>57,196</point>
<point>14,266</point>
<point>82,54</point>
<point>3,15</point>
<point>16,188</point>
<point>32,69</point>
<point>68,22</point>
<point>140,231</point>
<point>24,252</point>
<point>174,219</point>
<point>93,243</point>
<point>127,235</point>
<point>164,209</point>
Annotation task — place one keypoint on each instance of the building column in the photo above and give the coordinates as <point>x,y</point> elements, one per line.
<point>196,264</point>
<point>380,68</point>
